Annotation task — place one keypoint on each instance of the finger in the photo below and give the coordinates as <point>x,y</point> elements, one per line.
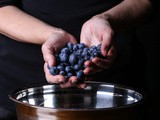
<point>66,85</point>
<point>106,42</point>
<point>88,71</point>
<point>71,82</point>
<point>72,39</point>
<point>88,78</point>
<point>81,85</point>
<point>91,68</point>
<point>48,54</point>
<point>112,53</point>
<point>89,63</point>
<point>91,71</point>
<point>102,63</point>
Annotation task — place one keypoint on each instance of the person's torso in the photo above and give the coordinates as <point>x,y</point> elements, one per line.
<point>22,64</point>
<point>68,15</point>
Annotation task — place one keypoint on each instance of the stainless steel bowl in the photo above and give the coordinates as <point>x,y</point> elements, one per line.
<point>50,102</point>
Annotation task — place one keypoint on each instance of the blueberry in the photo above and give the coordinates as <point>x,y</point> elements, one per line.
<point>86,58</point>
<point>65,50</point>
<point>79,52</point>
<point>63,57</point>
<point>80,74</point>
<point>66,77</point>
<point>91,57</point>
<point>70,46</point>
<point>99,47</point>
<point>62,73</point>
<point>69,74</point>
<point>77,67</point>
<point>81,62</point>
<point>73,59</point>
<point>68,69</point>
<point>70,61</point>
<point>85,49</point>
<point>92,48</point>
<point>75,47</point>
<point>81,45</point>
<point>84,53</point>
<point>95,54</point>
<point>54,71</point>
<point>60,67</point>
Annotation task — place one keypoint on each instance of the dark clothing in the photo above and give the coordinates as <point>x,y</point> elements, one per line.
<point>21,64</point>
<point>149,35</point>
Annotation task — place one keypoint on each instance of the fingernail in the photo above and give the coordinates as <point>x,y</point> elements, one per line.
<point>60,80</point>
<point>98,61</point>
<point>104,52</point>
<point>50,63</point>
<point>72,82</point>
<point>83,86</point>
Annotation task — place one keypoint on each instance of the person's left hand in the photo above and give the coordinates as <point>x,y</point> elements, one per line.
<point>54,43</point>
<point>96,31</point>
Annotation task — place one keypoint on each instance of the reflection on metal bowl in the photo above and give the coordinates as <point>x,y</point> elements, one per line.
<point>99,101</point>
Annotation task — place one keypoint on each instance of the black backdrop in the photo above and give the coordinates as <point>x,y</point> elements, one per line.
<point>149,37</point>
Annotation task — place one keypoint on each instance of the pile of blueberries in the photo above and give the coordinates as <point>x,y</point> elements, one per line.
<point>70,60</point>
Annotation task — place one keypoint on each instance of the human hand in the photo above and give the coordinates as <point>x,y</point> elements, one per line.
<point>53,45</point>
<point>96,31</point>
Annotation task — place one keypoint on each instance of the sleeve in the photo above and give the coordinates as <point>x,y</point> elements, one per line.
<point>9,2</point>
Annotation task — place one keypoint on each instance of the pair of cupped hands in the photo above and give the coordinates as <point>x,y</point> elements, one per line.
<point>96,30</point>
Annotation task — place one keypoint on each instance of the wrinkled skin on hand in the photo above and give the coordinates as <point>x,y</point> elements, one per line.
<point>53,45</point>
<point>96,31</point>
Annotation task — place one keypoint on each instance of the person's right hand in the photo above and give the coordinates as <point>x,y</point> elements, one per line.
<point>95,31</point>
<point>54,43</point>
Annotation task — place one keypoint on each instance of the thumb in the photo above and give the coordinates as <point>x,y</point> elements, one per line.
<point>48,55</point>
<point>106,44</point>
<point>72,39</point>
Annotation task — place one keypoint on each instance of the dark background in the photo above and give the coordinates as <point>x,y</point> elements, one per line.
<point>148,36</point>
